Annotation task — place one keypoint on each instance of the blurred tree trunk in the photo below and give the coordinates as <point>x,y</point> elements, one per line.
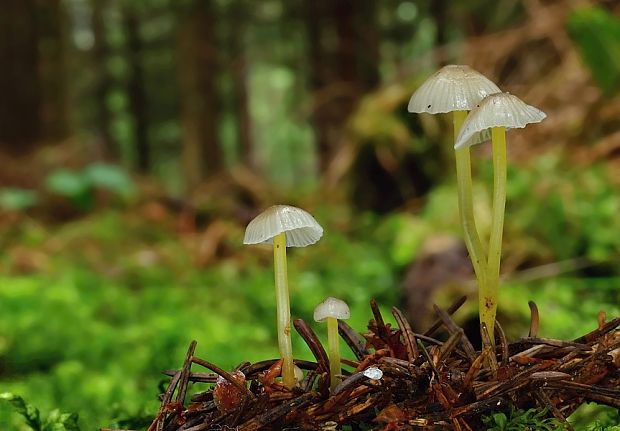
<point>103,80</point>
<point>315,20</point>
<point>439,13</point>
<point>136,89</point>
<point>33,102</point>
<point>238,65</point>
<point>53,46</point>
<point>199,67</point>
<point>368,45</point>
<point>20,104</point>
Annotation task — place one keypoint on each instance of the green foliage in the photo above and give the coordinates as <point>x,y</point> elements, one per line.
<point>71,185</point>
<point>111,178</point>
<point>55,421</point>
<point>80,186</point>
<point>522,420</point>
<point>597,35</point>
<point>15,199</point>
<point>573,215</point>
<point>607,420</point>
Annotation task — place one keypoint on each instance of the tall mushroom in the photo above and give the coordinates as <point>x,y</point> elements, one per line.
<point>283,226</point>
<point>332,310</point>
<point>497,112</point>
<point>458,89</point>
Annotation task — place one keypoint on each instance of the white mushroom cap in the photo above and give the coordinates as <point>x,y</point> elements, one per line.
<point>331,307</point>
<point>496,110</point>
<point>300,227</point>
<point>451,88</point>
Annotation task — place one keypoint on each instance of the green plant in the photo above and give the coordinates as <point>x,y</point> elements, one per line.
<point>80,186</point>
<point>596,32</point>
<point>522,420</point>
<point>55,421</point>
<point>15,199</point>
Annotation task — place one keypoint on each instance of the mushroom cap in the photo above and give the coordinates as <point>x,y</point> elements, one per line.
<point>451,88</point>
<point>300,227</point>
<point>496,110</point>
<point>331,307</point>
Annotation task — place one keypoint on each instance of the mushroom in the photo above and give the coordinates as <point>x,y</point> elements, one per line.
<point>458,89</point>
<point>332,310</point>
<point>283,226</point>
<point>497,112</point>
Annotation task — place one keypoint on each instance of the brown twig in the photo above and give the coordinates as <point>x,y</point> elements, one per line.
<point>313,343</point>
<point>184,380</point>
<point>534,319</point>
<point>450,310</point>
<point>353,340</point>
<point>452,328</point>
<point>408,335</point>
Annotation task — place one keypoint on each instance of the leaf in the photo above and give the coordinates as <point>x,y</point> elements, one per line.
<point>111,178</point>
<point>17,199</point>
<point>30,413</point>
<point>57,421</point>
<point>66,183</point>
<point>597,36</point>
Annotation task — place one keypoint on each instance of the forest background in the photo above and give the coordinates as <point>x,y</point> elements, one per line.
<point>138,138</point>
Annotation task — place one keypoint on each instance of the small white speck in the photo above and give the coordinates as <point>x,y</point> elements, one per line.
<point>373,373</point>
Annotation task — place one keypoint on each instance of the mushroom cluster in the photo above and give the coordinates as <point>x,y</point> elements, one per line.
<point>459,89</point>
<point>287,226</point>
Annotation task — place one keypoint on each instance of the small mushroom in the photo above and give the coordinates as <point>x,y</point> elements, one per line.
<point>496,112</point>
<point>283,226</point>
<point>458,89</point>
<point>332,310</point>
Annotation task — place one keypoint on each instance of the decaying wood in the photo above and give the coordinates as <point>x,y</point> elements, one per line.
<point>424,383</point>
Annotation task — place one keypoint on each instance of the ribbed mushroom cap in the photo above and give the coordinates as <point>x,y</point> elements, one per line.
<point>300,227</point>
<point>331,307</point>
<point>451,88</point>
<point>496,110</point>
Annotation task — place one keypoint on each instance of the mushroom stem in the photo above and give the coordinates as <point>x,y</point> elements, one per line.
<point>333,348</point>
<point>489,295</point>
<point>283,310</point>
<point>466,207</point>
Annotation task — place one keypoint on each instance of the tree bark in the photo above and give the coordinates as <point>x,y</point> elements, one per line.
<point>315,20</point>
<point>52,65</point>
<point>238,67</point>
<point>20,84</point>
<point>368,44</point>
<point>199,67</point>
<point>136,90</point>
<point>103,80</point>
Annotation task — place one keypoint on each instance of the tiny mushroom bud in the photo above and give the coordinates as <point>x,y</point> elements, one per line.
<point>332,310</point>
<point>458,89</point>
<point>496,112</point>
<point>283,226</point>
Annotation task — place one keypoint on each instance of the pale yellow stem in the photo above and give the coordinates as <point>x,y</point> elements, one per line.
<point>489,297</point>
<point>333,349</point>
<point>466,206</point>
<point>283,310</point>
